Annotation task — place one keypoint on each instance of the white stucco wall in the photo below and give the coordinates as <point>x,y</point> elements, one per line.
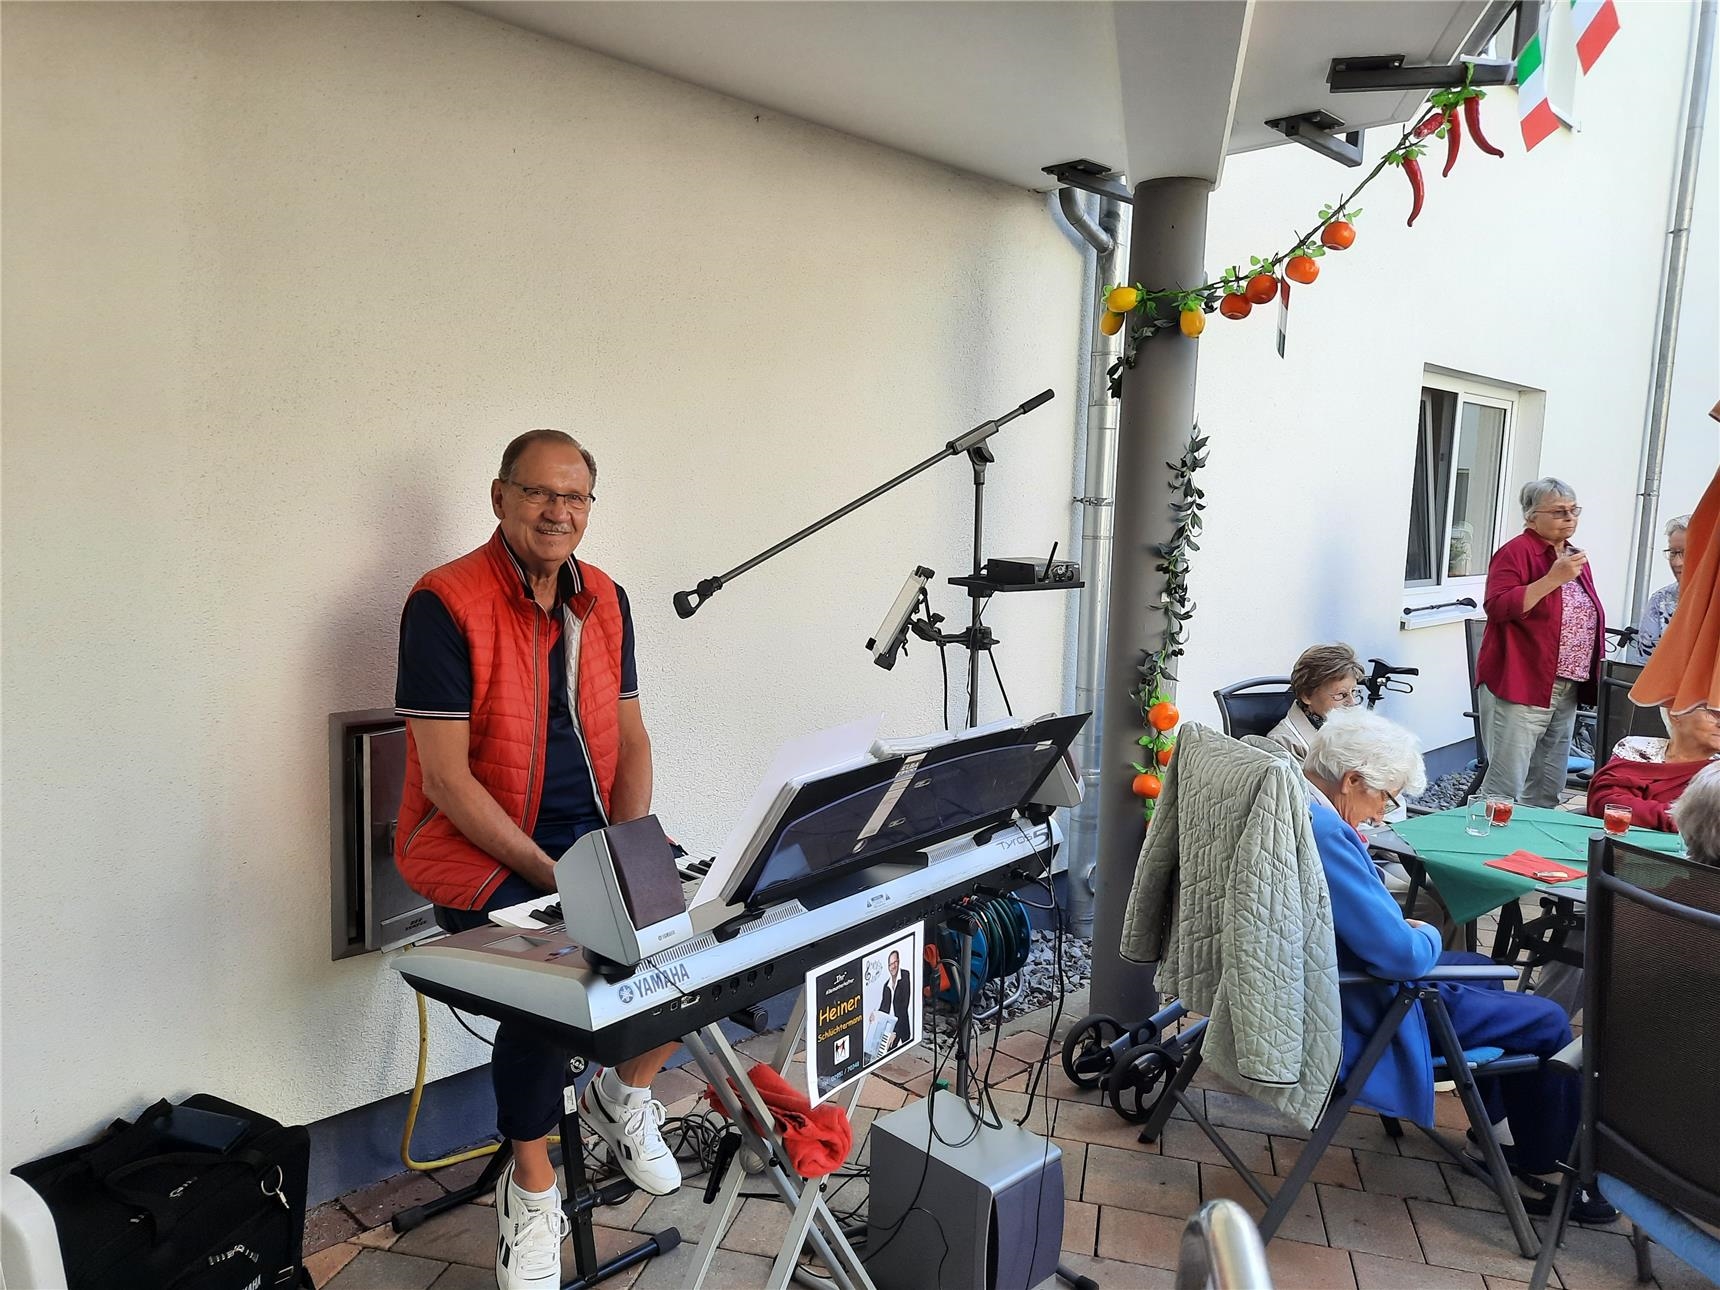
<point>280,283</point>
<point>1539,271</point>
<point>281,280</point>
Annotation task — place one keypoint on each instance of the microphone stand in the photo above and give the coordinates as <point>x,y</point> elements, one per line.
<point>977,637</point>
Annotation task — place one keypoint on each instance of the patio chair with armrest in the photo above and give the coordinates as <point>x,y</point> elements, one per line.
<point>1648,1135</point>
<point>1616,716</point>
<point>1472,630</point>
<point>1254,706</point>
<point>1146,1069</point>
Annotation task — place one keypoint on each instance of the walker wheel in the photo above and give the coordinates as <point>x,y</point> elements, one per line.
<point>1087,1053</point>
<point>1132,1082</point>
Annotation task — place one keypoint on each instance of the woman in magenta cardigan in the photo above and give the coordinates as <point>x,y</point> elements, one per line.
<point>1541,650</point>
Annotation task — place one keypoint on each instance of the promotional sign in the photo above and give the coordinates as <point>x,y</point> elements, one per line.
<point>862,1010</point>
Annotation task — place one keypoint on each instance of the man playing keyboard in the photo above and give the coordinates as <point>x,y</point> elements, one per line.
<point>521,699</point>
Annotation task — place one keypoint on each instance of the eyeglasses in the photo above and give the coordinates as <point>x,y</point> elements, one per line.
<point>1392,802</point>
<point>544,496</point>
<point>1561,512</point>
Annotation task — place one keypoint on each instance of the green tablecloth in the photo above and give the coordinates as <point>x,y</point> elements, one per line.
<point>1457,862</point>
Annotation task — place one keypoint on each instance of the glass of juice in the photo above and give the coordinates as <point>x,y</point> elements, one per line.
<point>1616,818</point>
<point>1499,810</point>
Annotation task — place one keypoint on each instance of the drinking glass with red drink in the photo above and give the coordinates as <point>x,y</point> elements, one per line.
<point>1499,810</point>
<point>1616,818</point>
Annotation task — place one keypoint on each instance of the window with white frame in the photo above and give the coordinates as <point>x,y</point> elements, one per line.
<point>1462,463</point>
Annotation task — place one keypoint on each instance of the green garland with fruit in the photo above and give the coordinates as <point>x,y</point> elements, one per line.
<point>1147,312</point>
<point>1158,714</point>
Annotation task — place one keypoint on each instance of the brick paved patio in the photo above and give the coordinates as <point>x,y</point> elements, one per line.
<point>1381,1214</point>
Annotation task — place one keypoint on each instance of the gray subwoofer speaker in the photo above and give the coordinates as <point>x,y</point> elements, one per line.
<point>981,1208</point>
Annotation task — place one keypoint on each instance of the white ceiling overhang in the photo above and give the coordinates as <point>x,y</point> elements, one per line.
<point>1149,88</point>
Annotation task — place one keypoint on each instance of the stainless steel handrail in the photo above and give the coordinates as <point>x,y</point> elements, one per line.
<point>1221,1248</point>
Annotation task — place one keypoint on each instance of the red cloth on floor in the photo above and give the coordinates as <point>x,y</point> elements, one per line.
<point>817,1137</point>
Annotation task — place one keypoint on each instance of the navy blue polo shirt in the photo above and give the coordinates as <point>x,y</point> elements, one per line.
<point>434,682</point>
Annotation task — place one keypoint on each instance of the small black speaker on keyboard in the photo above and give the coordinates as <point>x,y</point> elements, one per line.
<point>621,894</point>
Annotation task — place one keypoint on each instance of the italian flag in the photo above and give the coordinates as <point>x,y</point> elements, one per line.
<point>1534,112</point>
<point>1593,25</point>
<point>1596,23</point>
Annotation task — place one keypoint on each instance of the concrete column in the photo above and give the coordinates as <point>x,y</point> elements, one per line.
<point>1167,243</point>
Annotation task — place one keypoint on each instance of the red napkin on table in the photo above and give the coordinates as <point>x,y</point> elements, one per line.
<point>817,1137</point>
<point>1529,865</point>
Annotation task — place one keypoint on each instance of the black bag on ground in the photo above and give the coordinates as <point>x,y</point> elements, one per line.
<point>203,1196</point>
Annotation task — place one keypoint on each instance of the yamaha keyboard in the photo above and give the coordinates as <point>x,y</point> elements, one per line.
<point>542,979</point>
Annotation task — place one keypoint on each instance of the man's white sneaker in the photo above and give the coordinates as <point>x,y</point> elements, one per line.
<point>634,1134</point>
<point>528,1254</point>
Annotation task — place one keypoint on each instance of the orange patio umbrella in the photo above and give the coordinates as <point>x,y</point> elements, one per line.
<point>1684,670</point>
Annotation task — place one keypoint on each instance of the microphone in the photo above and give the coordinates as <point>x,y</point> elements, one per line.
<point>1044,396</point>
<point>687,602</point>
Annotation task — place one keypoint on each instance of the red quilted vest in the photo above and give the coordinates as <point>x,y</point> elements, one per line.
<point>508,635</point>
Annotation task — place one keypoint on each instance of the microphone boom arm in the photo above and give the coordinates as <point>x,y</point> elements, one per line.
<point>688,603</point>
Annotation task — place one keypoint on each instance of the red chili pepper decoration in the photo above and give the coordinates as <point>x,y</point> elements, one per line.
<point>1472,118</point>
<point>1453,141</point>
<point>1428,126</point>
<point>1418,190</point>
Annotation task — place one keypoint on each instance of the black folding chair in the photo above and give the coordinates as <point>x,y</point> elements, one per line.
<point>1174,1058</point>
<point>1472,630</point>
<point>1254,706</point>
<point>1616,716</point>
<point>1146,1070</point>
<point>1651,1022</point>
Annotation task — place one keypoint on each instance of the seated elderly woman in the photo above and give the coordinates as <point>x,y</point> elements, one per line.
<point>1358,766</point>
<point>1324,679</point>
<point>1650,786</point>
<point>1698,817</point>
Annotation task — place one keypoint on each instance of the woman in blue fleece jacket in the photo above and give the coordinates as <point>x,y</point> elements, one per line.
<point>1357,767</point>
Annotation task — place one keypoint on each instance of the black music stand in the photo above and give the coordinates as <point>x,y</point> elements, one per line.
<point>577,1202</point>
<point>836,827</point>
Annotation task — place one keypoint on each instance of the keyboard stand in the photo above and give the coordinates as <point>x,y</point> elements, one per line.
<point>811,1220</point>
<point>579,1199</point>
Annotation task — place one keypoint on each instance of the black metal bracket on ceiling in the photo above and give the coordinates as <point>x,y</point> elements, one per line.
<point>1360,74</point>
<point>1319,131</point>
<point>1091,177</point>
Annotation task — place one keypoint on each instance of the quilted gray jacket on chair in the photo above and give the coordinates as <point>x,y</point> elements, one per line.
<point>1230,901</point>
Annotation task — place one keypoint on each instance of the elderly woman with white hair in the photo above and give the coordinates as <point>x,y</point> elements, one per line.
<point>1697,815</point>
<point>1657,612</point>
<point>1357,768</point>
<point>1541,649</point>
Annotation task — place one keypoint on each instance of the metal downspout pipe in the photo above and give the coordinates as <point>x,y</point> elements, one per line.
<point>1094,498</point>
<point>1671,303</point>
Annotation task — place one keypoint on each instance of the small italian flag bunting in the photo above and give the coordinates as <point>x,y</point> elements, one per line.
<point>1594,23</point>
<point>1534,112</point>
